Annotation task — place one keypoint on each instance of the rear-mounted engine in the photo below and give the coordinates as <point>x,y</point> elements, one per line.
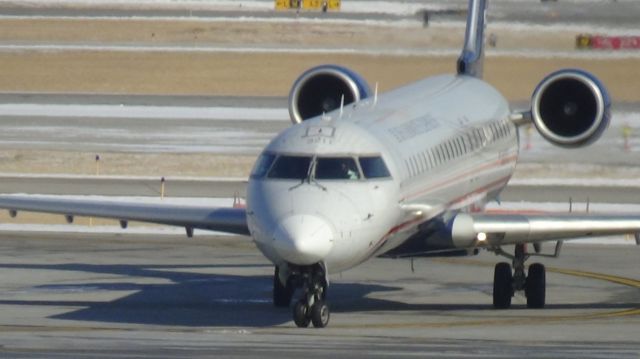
<point>320,90</point>
<point>571,108</point>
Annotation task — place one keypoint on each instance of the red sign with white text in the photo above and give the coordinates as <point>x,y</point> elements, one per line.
<point>615,42</point>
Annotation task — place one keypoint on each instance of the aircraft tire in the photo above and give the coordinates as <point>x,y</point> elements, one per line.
<point>535,288</point>
<point>301,314</point>
<point>502,286</point>
<point>320,314</point>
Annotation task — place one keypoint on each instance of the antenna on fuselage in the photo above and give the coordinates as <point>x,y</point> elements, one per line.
<point>471,59</point>
<point>341,105</point>
<point>375,95</point>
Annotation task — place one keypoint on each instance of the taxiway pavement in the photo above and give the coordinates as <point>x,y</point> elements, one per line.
<point>89,295</point>
<point>233,134</point>
<point>589,12</point>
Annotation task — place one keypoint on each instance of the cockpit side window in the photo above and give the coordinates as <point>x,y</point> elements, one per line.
<point>336,168</point>
<point>374,167</point>
<point>262,165</point>
<point>290,167</point>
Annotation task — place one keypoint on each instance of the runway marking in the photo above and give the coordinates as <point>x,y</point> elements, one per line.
<point>521,319</point>
<point>605,277</point>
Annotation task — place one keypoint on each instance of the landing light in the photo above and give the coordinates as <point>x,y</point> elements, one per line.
<point>481,237</point>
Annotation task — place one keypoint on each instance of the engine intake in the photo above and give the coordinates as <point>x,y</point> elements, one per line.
<point>571,108</point>
<point>320,90</point>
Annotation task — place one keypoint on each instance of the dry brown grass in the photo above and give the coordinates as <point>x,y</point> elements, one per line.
<point>245,74</point>
<point>265,74</point>
<point>271,74</point>
<point>160,31</point>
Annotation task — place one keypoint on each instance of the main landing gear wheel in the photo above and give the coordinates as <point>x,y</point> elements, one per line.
<point>535,288</point>
<point>505,284</point>
<point>282,294</point>
<point>502,286</point>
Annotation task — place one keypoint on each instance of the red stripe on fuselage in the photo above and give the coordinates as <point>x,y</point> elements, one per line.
<point>500,182</point>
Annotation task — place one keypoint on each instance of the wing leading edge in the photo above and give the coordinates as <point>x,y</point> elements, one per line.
<point>501,229</point>
<point>230,220</point>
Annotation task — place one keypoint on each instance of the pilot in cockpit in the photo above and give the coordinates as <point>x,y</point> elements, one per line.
<point>348,170</point>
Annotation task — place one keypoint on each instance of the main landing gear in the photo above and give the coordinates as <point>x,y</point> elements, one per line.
<point>505,284</point>
<point>312,306</point>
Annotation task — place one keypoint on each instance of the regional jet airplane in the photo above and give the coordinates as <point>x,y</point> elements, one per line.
<point>403,174</point>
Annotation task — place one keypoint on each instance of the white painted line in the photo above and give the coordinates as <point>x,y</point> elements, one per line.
<point>134,111</point>
<point>443,52</point>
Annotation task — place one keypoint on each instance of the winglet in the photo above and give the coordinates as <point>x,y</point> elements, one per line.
<point>471,60</point>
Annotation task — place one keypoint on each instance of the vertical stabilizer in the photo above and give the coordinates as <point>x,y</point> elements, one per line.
<point>472,57</point>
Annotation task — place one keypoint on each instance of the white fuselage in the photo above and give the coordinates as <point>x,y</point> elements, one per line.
<point>447,142</point>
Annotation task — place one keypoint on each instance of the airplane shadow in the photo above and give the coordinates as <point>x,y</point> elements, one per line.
<point>181,298</point>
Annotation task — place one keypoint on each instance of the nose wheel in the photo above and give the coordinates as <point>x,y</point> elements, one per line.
<point>318,314</point>
<point>312,306</point>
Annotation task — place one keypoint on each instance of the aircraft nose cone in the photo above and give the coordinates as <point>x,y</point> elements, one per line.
<point>303,239</point>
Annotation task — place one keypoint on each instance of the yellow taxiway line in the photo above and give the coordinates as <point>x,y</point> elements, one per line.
<point>529,319</point>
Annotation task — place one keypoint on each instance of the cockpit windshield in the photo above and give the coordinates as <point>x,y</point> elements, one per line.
<point>374,167</point>
<point>299,167</point>
<point>290,167</point>
<point>262,165</point>
<point>336,168</point>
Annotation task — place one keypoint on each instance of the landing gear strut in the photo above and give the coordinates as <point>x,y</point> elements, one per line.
<point>505,284</point>
<point>312,306</point>
<point>282,293</point>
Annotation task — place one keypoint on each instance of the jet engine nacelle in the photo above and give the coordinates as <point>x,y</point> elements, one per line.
<point>571,108</point>
<point>320,90</point>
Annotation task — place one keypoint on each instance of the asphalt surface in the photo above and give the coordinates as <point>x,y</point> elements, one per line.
<point>80,295</point>
<point>594,13</point>
<point>123,186</point>
<point>236,136</point>
<point>143,100</point>
<point>106,296</point>
<point>122,134</point>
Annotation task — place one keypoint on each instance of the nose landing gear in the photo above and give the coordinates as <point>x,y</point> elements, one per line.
<point>312,306</point>
<point>282,293</point>
<point>318,314</point>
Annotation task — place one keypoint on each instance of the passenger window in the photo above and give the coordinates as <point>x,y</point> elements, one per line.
<point>290,167</point>
<point>337,168</point>
<point>458,147</point>
<point>374,167</point>
<point>262,165</point>
<point>432,161</point>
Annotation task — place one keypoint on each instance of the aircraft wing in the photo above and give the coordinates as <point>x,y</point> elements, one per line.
<point>230,220</point>
<point>487,229</point>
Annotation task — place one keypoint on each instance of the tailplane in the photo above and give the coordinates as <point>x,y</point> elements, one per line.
<point>471,60</point>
